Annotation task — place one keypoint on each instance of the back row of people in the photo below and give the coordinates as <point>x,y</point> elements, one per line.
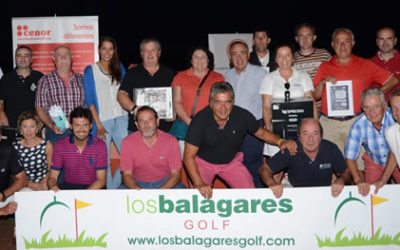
<point>63,81</point>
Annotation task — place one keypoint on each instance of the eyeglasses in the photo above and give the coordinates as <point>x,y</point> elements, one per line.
<point>371,108</point>
<point>287,92</point>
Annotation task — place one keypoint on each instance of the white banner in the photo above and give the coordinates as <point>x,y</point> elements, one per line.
<point>43,34</point>
<point>219,45</point>
<point>304,218</point>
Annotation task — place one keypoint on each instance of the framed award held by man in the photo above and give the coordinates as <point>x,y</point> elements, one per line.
<point>158,98</point>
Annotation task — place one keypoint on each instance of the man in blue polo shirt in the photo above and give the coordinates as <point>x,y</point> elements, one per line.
<point>82,156</point>
<point>315,163</point>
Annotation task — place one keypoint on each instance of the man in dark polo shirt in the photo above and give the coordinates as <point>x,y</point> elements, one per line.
<point>214,140</point>
<point>9,166</point>
<point>18,87</point>
<point>316,162</point>
<point>149,74</point>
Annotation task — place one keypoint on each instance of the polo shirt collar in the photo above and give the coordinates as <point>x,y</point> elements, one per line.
<point>89,142</point>
<point>395,54</point>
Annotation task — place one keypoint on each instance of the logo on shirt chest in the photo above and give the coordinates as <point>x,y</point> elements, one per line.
<point>324,166</point>
<point>91,161</point>
<point>33,87</point>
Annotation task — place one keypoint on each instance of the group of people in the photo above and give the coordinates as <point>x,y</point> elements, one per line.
<point>228,117</point>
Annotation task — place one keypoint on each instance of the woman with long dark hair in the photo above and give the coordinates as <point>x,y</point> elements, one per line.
<point>101,81</point>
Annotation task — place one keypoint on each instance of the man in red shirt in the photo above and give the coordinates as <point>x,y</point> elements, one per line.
<point>387,56</point>
<point>150,158</point>
<point>345,66</point>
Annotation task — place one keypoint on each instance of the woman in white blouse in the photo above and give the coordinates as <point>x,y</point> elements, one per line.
<point>273,86</point>
<point>102,81</point>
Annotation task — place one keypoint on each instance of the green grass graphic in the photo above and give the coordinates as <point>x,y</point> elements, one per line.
<point>359,240</point>
<point>63,241</point>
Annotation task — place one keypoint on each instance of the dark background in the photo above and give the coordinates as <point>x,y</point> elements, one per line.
<point>184,24</point>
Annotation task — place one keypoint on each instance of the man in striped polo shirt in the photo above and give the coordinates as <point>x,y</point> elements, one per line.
<point>82,156</point>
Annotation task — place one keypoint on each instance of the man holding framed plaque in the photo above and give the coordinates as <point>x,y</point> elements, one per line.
<point>345,69</point>
<point>149,74</point>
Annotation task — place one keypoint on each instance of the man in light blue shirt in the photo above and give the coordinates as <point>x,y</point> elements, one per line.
<point>246,81</point>
<point>368,131</point>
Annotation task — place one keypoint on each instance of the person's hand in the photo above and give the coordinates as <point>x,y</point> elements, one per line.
<point>43,186</point>
<point>34,186</point>
<point>56,130</point>
<point>10,208</point>
<point>4,119</point>
<point>336,188</point>
<point>277,190</point>
<point>378,185</point>
<point>290,145</point>
<point>55,188</point>
<point>363,188</point>
<point>330,79</point>
<point>205,190</point>
<point>101,132</point>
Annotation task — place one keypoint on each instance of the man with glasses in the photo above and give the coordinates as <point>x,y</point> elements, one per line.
<point>345,66</point>
<point>214,139</point>
<point>368,131</point>
<point>246,81</point>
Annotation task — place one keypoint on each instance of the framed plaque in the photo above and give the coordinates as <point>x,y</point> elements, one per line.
<point>340,98</point>
<point>158,98</point>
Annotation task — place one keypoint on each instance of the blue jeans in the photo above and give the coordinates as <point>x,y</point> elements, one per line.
<point>117,129</point>
<point>53,137</point>
<point>158,184</point>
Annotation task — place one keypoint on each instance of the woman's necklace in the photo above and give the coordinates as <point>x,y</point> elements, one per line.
<point>102,70</point>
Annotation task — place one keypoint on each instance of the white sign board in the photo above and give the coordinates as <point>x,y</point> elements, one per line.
<point>304,218</point>
<point>219,45</point>
<point>43,34</point>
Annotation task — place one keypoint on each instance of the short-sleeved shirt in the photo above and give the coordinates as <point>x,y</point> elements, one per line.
<point>80,167</point>
<point>53,91</point>
<point>274,84</point>
<point>392,65</point>
<point>303,172</point>
<point>139,77</point>
<point>392,135</point>
<point>219,146</point>
<point>362,72</point>
<point>18,94</point>
<point>189,83</point>
<point>310,63</point>
<point>149,164</point>
<point>9,165</point>
<point>247,88</point>
<point>33,159</point>
<point>363,133</point>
